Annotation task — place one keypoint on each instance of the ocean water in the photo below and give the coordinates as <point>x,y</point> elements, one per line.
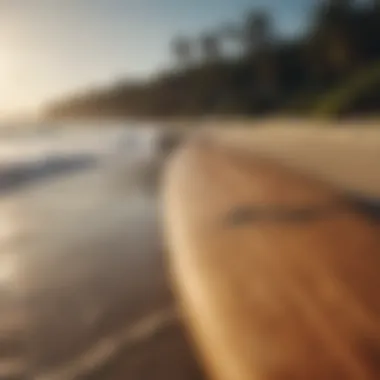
<point>33,144</point>
<point>31,155</point>
<point>81,265</point>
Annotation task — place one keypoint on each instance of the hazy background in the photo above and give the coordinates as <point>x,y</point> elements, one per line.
<point>169,59</point>
<point>49,49</point>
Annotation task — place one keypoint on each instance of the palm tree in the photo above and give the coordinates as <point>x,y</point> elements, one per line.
<point>256,31</point>
<point>210,47</point>
<point>340,4</point>
<point>256,39</point>
<point>333,44</point>
<point>230,36</point>
<point>182,51</point>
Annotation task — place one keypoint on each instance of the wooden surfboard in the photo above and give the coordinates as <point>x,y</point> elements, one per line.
<point>278,276</point>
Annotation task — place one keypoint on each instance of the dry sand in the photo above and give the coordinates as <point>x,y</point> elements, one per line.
<point>345,155</point>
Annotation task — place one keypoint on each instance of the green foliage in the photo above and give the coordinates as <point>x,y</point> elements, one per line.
<point>342,99</point>
<point>267,76</point>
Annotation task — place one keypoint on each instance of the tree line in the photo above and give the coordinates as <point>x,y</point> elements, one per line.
<point>246,69</point>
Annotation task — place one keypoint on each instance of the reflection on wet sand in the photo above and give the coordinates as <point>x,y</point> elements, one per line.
<point>83,287</point>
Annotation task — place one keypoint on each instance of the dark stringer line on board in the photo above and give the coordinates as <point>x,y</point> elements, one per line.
<point>279,213</point>
<point>370,207</point>
<point>303,214</point>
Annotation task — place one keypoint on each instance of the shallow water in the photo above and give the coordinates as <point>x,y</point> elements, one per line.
<point>81,264</point>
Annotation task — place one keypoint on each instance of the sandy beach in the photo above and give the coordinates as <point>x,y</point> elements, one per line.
<point>85,292</point>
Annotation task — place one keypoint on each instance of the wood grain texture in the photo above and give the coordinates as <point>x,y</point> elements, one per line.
<point>271,298</point>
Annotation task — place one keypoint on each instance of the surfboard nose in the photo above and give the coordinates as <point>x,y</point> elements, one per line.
<point>276,273</point>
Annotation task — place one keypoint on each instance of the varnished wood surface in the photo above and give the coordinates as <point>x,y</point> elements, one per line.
<point>278,275</point>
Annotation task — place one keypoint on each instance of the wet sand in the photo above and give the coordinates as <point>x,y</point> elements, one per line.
<point>85,286</point>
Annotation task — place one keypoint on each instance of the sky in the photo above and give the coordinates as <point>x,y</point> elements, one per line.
<point>49,48</point>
